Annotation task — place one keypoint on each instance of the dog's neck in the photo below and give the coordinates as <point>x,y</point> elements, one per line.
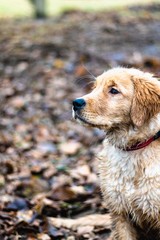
<point>124,137</point>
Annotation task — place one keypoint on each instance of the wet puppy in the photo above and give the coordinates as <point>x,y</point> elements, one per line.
<point>125,103</point>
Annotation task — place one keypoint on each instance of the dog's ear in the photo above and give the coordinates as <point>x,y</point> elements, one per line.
<point>146,101</point>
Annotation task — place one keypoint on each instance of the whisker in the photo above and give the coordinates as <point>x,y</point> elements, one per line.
<point>87,84</point>
<point>88,71</point>
<point>85,77</point>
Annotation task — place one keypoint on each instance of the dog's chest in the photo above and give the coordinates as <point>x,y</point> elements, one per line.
<point>130,180</point>
<point>117,176</point>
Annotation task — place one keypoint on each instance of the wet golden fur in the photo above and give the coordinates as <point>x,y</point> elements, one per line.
<point>130,181</point>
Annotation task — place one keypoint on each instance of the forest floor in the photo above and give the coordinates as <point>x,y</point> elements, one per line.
<point>48,169</point>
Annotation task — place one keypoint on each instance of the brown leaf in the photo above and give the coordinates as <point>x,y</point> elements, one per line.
<point>64,193</point>
<point>70,147</point>
<point>95,220</point>
<point>83,170</point>
<point>43,236</point>
<point>2,180</point>
<point>18,102</point>
<point>24,215</point>
<point>84,229</point>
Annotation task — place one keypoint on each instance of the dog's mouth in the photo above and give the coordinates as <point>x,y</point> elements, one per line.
<point>85,121</point>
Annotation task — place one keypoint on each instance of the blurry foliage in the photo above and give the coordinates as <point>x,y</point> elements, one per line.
<point>40,8</point>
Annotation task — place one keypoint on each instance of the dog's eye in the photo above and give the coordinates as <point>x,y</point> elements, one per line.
<point>114,91</point>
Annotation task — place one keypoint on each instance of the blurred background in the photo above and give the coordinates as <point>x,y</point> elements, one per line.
<point>26,8</point>
<point>50,51</point>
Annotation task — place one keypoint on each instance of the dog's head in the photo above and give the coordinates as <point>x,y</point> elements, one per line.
<point>120,96</point>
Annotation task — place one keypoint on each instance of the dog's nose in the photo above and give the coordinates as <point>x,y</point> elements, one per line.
<point>78,103</point>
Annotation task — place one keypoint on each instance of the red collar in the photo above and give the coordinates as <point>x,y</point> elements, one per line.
<point>143,144</point>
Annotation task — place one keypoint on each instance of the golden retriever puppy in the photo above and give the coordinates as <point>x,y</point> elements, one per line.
<point>125,103</point>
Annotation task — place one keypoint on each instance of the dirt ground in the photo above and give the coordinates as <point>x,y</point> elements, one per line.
<point>48,167</point>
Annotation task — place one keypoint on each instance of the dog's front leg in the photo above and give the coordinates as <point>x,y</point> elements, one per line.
<point>122,229</point>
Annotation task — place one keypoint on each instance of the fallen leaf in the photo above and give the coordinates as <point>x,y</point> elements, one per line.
<point>43,236</point>
<point>70,147</point>
<point>24,215</point>
<point>18,102</point>
<point>2,180</point>
<point>95,220</point>
<point>83,170</point>
<point>85,229</point>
